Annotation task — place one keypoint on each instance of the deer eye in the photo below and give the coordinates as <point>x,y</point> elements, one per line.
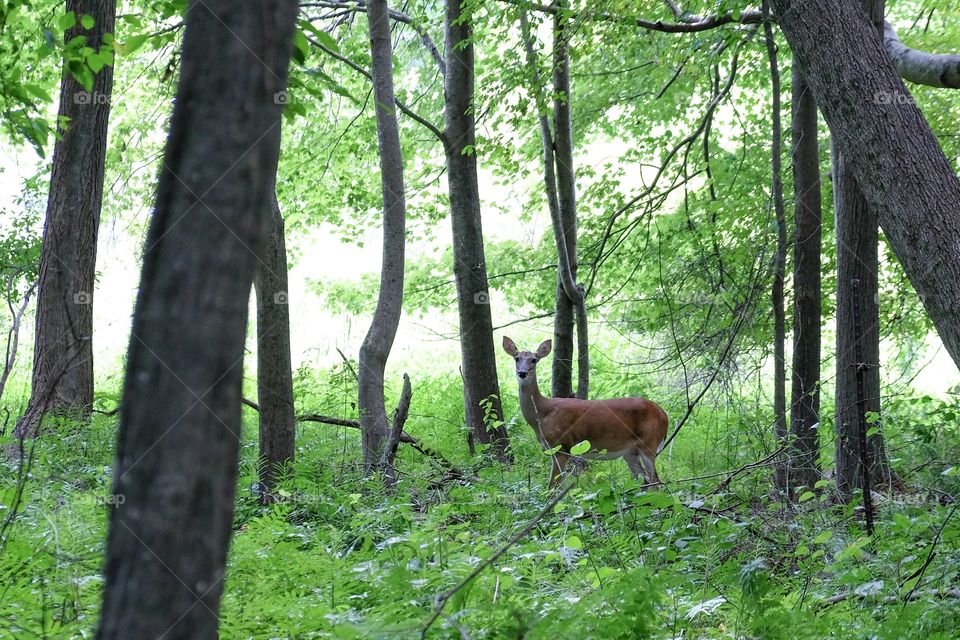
<point>535,361</point>
<point>517,359</point>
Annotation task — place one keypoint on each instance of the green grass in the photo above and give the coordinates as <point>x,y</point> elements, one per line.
<point>343,558</point>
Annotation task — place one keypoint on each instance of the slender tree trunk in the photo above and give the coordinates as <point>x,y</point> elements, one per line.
<point>857,258</point>
<point>805,392</point>
<point>888,146</point>
<point>780,256</point>
<point>481,388</point>
<point>570,304</point>
<point>564,326</point>
<point>63,348</point>
<point>274,374</point>
<point>383,328</point>
<point>175,475</point>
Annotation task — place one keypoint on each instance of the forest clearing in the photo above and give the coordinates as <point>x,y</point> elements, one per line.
<point>479,319</point>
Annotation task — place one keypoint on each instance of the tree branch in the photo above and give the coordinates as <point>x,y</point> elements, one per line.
<point>403,108</point>
<point>688,23</point>
<point>920,67</point>
<point>398,16</point>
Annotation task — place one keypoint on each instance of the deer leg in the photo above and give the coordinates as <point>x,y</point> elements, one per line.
<point>649,466</point>
<point>557,465</point>
<point>633,461</point>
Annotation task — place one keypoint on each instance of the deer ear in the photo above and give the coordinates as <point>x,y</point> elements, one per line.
<point>544,349</point>
<point>510,347</point>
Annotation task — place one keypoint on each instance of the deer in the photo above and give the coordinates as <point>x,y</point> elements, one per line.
<point>634,429</point>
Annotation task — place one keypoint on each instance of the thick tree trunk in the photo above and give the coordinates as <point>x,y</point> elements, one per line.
<point>63,348</point>
<point>274,374</point>
<point>805,391</point>
<point>175,475</point>
<point>383,328</point>
<point>779,258</point>
<point>571,307</point>
<point>888,147</point>
<point>481,388</point>
<point>857,258</point>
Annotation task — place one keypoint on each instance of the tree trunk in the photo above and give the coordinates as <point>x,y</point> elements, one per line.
<point>62,379</point>
<point>780,256</point>
<point>857,258</point>
<point>570,304</point>
<point>274,374</point>
<point>888,146</point>
<point>481,388</point>
<point>805,392</point>
<point>175,475</point>
<point>383,328</point>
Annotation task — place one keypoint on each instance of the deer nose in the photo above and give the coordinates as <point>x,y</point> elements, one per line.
<point>521,374</point>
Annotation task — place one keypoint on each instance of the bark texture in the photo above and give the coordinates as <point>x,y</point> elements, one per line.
<point>62,380</point>
<point>780,255</point>
<point>180,424</point>
<point>888,147</point>
<point>274,373</point>
<point>857,258</point>
<point>479,366</point>
<point>805,388</point>
<point>921,67</point>
<point>571,306</point>
<point>383,328</point>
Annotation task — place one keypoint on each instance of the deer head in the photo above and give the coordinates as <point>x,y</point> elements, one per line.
<point>526,360</point>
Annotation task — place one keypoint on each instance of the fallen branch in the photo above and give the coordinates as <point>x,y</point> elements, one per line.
<point>399,419</point>
<point>913,595</point>
<point>404,437</point>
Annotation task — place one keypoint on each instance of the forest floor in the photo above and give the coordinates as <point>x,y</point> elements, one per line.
<point>341,557</point>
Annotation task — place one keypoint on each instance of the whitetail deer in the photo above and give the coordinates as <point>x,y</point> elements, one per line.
<point>630,428</point>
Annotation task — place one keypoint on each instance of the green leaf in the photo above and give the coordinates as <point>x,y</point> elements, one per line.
<point>322,36</point>
<point>300,47</point>
<point>823,537</point>
<point>580,448</point>
<point>37,92</point>
<point>87,22</point>
<point>132,43</point>
<point>872,431</point>
<point>806,496</point>
<point>573,542</point>
<point>67,21</point>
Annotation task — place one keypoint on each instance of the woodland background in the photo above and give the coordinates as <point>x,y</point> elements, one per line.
<point>714,234</point>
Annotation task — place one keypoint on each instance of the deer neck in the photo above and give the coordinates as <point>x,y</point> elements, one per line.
<point>533,404</point>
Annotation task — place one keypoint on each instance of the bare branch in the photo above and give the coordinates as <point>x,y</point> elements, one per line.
<point>688,24</point>
<point>366,74</point>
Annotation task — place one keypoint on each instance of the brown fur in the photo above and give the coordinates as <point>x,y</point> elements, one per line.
<point>631,428</point>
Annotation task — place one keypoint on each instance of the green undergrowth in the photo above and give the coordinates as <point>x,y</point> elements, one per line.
<point>343,557</point>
